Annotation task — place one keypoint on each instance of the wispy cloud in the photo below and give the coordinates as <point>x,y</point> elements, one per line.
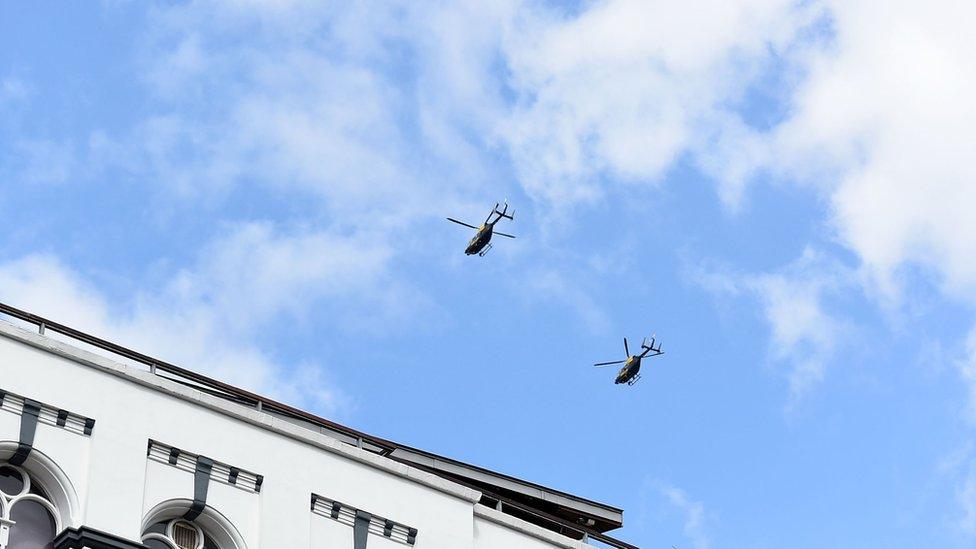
<point>966,498</point>
<point>570,292</point>
<point>959,469</point>
<point>321,101</point>
<point>803,333</point>
<point>303,99</point>
<point>12,89</point>
<point>695,516</point>
<point>41,161</point>
<point>206,317</point>
<point>896,149</point>
<point>627,87</point>
<point>966,367</point>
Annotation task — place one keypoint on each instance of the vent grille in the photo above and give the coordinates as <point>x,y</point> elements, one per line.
<point>185,535</point>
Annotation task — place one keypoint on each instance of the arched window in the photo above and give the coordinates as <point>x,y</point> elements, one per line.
<point>32,519</point>
<point>177,534</point>
<point>165,528</point>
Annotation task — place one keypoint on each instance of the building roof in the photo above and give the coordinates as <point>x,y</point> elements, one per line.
<point>558,511</point>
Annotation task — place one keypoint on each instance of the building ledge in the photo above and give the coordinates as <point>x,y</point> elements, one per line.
<point>89,538</point>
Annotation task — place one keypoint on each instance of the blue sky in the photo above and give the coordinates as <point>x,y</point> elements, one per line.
<point>780,190</point>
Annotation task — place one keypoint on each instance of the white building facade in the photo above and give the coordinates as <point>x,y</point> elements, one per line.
<point>102,447</point>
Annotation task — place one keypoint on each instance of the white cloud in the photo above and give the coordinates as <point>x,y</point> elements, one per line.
<point>966,496</point>
<point>571,292</point>
<point>695,516</point>
<point>627,87</point>
<point>886,114</point>
<point>207,318</point>
<point>966,367</point>
<point>44,284</point>
<point>804,334</point>
<point>311,100</point>
<point>281,272</point>
<point>965,493</point>
<point>388,102</point>
<point>40,161</point>
<point>12,89</point>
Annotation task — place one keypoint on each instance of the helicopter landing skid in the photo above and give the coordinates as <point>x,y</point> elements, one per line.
<point>634,380</point>
<point>483,252</point>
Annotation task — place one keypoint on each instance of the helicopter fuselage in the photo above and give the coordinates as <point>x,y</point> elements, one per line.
<point>630,369</point>
<point>480,240</point>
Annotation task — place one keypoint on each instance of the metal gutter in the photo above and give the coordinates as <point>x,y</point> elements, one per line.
<point>439,463</point>
<point>559,525</point>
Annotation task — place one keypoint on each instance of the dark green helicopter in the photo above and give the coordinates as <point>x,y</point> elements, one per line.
<point>630,373</point>
<point>481,242</point>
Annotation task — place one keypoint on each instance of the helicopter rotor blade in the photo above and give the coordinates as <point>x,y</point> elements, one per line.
<point>503,234</point>
<point>462,223</point>
<point>602,364</point>
<point>626,348</point>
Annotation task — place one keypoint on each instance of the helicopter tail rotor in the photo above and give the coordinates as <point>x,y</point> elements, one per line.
<point>650,348</point>
<point>504,211</point>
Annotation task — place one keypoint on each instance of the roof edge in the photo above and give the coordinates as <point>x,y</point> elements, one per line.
<point>438,458</point>
<point>528,528</point>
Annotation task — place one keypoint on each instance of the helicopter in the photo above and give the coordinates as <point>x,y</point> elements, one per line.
<point>481,242</point>
<point>630,373</point>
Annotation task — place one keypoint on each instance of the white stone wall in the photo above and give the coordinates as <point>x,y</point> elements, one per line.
<point>116,486</point>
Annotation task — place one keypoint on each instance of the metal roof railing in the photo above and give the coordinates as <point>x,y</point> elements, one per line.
<point>201,382</point>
